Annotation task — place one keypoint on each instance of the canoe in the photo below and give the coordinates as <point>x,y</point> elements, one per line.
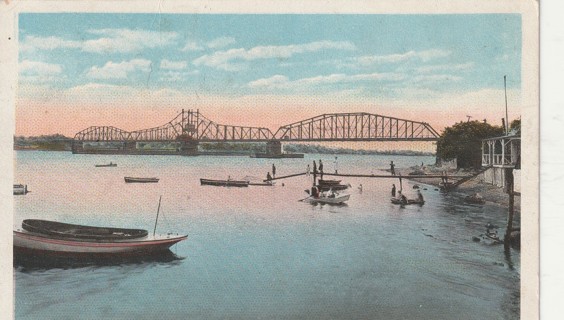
<point>338,199</point>
<point>409,201</point>
<point>106,165</point>
<point>42,237</point>
<point>140,180</point>
<point>224,183</point>
<point>20,189</point>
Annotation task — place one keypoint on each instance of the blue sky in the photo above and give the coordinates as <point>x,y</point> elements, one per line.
<point>360,58</point>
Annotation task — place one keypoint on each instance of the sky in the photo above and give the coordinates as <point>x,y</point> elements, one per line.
<point>136,71</point>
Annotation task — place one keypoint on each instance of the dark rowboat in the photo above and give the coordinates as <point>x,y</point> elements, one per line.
<point>224,183</point>
<point>75,231</point>
<point>409,201</point>
<point>264,184</point>
<point>334,187</point>
<point>46,238</point>
<point>140,180</point>
<point>329,182</point>
<point>20,189</point>
<point>106,165</point>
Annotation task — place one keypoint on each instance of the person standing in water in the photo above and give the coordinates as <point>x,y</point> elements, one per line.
<point>273,171</point>
<point>392,168</point>
<point>393,190</point>
<point>307,170</point>
<point>320,169</point>
<point>336,165</point>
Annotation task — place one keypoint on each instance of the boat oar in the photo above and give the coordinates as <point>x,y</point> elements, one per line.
<point>304,198</point>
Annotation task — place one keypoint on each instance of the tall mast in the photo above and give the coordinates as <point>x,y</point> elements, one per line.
<point>157,219</point>
<point>506,117</point>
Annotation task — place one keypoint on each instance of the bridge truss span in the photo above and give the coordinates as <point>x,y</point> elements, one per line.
<point>356,127</point>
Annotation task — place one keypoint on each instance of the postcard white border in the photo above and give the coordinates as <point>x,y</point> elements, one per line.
<point>530,93</point>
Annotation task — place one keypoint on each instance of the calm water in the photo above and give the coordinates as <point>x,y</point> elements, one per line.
<point>259,253</point>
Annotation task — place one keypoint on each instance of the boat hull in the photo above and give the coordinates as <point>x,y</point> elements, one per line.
<point>224,183</point>
<point>140,180</point>
<point>409,201</point>
<point>25,242</point>
<point>327,200</point>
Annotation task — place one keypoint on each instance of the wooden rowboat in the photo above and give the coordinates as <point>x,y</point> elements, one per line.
<point>224,183</point>
<point>42,237</point>
<point>20,189</point>
<point>140,180</point>
<point>106,165</point>
<point>338,199</point>
<point>329,182</point>
<point>409,201</point>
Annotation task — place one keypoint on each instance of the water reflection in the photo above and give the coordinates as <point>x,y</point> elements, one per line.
<point>30,263</point>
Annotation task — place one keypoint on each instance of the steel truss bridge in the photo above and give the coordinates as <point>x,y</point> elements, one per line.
<point>190,127</point>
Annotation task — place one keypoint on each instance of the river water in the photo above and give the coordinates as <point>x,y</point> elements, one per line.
<point>258,252</point>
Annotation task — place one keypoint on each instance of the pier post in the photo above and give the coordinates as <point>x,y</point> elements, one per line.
<point>509,187</point>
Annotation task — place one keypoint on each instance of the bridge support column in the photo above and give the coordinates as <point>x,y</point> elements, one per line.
<point>129,146</point>
<point>273,147</point>
<point>77,147</point>
<point>189,148</point>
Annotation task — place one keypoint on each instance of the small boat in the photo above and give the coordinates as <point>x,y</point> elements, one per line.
<point>140,180</point>
<point>446,186</point>
<point>264,184</point>
<point>224,183</point>
<point>408,201</point>
<point>329,182</point>
<point>474,199</point>
<point>337,199</point>
<point>43,237</point>
<point>335,187</point>
<point>106,165</point>
<point>20,189</point>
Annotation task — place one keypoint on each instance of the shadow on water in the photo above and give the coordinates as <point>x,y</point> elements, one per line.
<point>31,263</point>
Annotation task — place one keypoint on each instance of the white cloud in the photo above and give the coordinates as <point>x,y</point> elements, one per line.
<point>177,76</point>
<point>366,61</point>
<point>173,65</point>
<point>435,78</point>
<point>282,82</point>
<point>445,67</point>
<point>121,70</point>
<point>108,41</point>
<point>28,67</point>
<point>192,46</point>
<point>222,59</point>
<point>220,42</point>
<point>31,43</point>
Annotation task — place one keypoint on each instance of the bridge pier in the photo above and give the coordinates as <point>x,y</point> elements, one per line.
<point>77,147</point>
<point>189,148</point>
<point>273,148</point>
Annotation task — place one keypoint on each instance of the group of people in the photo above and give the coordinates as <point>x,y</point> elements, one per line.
<point>270,177</point>
<point>402,197</point>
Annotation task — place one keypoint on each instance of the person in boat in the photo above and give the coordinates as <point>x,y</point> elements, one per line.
<point>268,176</point>
<point>320,169</point>
<point>420,196</point>
<point>330,193</point>
<point>392,168</point>
<point>403,198</point>
<point>314,192</point>
<point>273,170</point>
<point>393,190</point>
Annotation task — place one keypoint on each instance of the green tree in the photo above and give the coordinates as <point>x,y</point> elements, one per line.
<point>463,142</point>
<point>516,126</point>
